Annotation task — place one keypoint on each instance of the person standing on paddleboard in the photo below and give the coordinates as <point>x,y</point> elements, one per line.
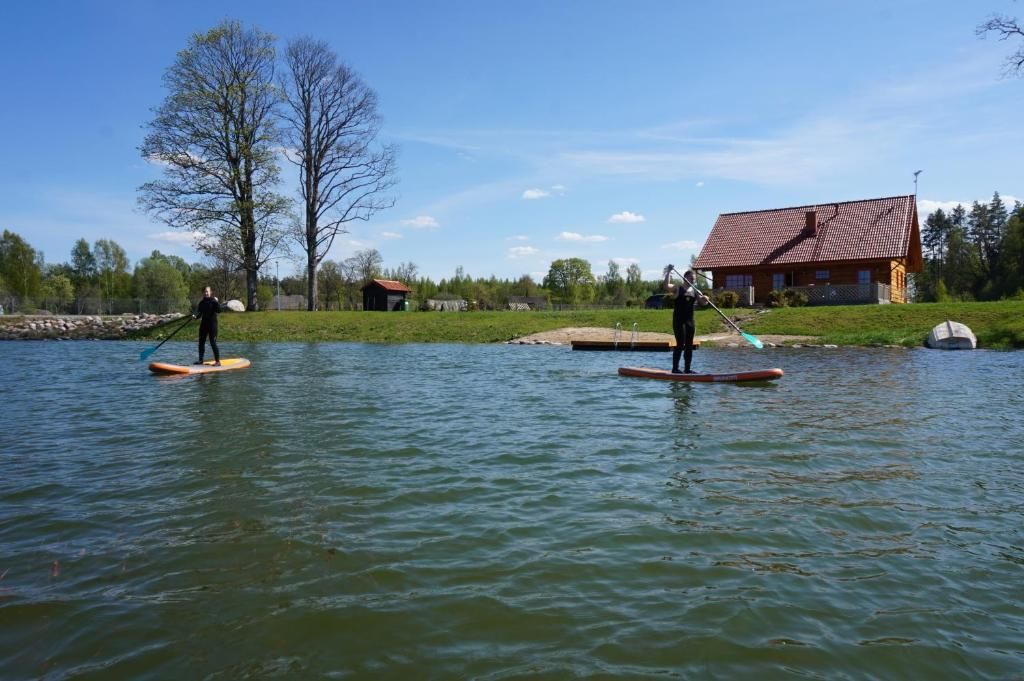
<point>206,313</point>
<point>682,319</point>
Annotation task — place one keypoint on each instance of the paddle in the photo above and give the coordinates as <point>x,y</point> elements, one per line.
<point>746,336</point>
<point>146,353</point>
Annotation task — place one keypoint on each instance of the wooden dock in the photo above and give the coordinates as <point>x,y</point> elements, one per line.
<point>626,346</point>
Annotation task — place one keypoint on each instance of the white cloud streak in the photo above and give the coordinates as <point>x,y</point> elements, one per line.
<point>534,194</point>
<point>522,252</point>
<point>576,236</point>
<point>421,222</point>
<point>627,217</point>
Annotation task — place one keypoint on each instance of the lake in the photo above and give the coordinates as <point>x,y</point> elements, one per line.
<point>496,512</point>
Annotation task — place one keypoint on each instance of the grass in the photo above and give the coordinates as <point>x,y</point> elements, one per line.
<point>997,325</point>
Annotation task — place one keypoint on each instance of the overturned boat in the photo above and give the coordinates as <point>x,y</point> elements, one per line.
<point>951,336</point>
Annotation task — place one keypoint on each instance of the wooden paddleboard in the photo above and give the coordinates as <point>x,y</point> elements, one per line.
<point>206,367</point>
<point>665,375</point>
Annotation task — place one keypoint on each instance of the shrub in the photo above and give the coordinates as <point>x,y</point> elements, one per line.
<point>794,298</point>
<point>777,298</point>
<point>727,299</point>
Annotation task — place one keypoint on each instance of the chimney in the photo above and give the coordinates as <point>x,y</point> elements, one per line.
<point>811,223</point>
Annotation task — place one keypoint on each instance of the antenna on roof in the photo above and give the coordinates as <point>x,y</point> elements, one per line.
<point>916,173</point>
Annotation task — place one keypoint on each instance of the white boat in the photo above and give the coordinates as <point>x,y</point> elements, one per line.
<point>952,336</point>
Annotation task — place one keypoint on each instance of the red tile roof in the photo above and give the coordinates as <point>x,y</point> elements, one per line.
<point>852,230</point>
<point>390,285</point>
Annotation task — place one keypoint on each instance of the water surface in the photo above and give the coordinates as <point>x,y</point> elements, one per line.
<point>493,512</point>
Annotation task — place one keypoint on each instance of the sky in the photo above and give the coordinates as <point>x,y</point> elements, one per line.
<point>530,131</point>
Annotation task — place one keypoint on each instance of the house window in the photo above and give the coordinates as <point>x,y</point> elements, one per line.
<point>863,276</point>
<point>738,280</point>
<point>821,275</point>
<point>779,281</point>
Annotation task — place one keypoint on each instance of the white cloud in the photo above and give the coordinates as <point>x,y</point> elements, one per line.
<point>627,217</point>
<point>531,194</point>
<point>926,207</point>
<point>518,237</point>
<point>627,261</point>
<point>522,251</point>
<point>685,245</point>
<point>558,188</point>
<point>576,236</point>
<point>177,238</point>
<point>390,235</point>
<point>421,222</point>
<point>700,184</point>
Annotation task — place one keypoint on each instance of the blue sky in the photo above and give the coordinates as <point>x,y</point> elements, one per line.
<point>530,131</point>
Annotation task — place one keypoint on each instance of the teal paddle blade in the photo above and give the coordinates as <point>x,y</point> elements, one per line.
<point>144,355</point>
<point>753,341</point>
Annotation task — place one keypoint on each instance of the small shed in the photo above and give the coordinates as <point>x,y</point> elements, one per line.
<point>385,295</point>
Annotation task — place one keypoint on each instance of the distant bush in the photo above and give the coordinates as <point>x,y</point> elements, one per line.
<point>777,298</point>
<point>794,298</point>
<point>727,299</point>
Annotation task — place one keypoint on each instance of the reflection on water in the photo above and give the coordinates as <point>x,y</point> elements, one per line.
<point>503,511</point>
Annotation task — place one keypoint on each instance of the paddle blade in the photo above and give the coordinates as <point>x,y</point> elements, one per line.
<point>753,341</point>
<point>144,355</point>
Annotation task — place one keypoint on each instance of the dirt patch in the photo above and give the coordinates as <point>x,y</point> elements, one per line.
<point>593,333</point>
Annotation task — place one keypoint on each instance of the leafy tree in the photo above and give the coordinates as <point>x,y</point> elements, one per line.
<point>58,288</point>
<point>331,283</point>
<point>160,283</point>
<point>20,266</point>
<point>214,135</point>
<point>331,125</point>
<point>571,279</point>
<point>614,284</point>
<point>112,268</point>
<point>1011,260</point>
<point>635,286</point>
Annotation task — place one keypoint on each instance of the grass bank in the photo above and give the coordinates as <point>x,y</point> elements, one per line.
<point>997,325</point>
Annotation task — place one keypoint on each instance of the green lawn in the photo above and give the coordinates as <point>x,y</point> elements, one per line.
<point>997,325</point>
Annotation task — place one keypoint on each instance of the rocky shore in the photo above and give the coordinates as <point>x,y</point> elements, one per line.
<point>77,327</point>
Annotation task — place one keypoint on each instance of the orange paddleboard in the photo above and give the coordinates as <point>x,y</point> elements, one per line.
<point>206,367</point>
<point>665,375</point>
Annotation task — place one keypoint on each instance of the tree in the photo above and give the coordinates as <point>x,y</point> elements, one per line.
<point>159,282</point>
<point>365,265</point>
<point>615,286</point>
<point>214,135</point>
<point>635,282</point>
<point>58,288</point>
<point>112,267</point>
<point>20,266</point>
<point>571,279</point>
<point>1005,28</point>
<point>331,282</point>
<point>1011,259</point>
<point>331,127</point>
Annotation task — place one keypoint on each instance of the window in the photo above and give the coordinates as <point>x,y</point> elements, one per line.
<point>821,274</point>
<point>778,281</point>
<point>738,280</point>
<point>863,276</point>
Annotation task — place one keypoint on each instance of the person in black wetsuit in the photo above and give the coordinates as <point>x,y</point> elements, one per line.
<point>206,313</point>
<point>683,327</point>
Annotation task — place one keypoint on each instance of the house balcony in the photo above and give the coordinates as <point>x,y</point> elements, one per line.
<point>825,294</point>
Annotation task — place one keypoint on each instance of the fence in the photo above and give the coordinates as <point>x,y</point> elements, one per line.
<point>845,294</point>
<point>90,306</point>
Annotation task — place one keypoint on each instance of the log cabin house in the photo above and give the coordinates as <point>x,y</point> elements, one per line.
<point>835,253</point>
<point>385,295</point>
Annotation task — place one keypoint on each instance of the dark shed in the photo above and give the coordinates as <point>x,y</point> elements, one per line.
<point>385,295</point>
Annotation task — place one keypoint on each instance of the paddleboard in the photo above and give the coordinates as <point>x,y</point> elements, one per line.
<point>665,375</point>
<point>206,367</point>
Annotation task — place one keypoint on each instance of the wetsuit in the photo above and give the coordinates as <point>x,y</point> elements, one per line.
<point>683,326</point>
<point>206,311</point>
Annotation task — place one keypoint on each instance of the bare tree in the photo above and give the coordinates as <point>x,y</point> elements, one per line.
<point>214,136</point>
<point>1006,28</point>
<point>331,127</point>
<point>364,265</point>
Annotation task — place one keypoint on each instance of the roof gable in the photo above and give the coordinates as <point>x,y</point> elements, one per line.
<point>871,229</point>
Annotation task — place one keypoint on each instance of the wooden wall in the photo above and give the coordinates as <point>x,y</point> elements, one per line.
<point>890,272</point>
